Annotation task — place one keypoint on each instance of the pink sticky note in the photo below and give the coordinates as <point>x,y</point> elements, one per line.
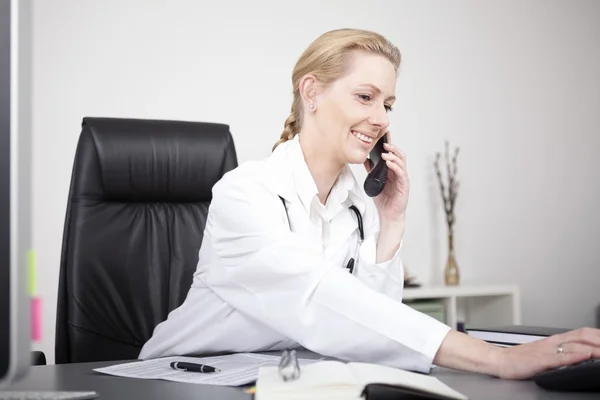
<point>36,318</point>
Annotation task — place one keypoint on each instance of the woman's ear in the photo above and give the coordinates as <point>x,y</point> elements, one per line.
<point>308,92</point>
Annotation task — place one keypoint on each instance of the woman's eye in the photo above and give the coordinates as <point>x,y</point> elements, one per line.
<point>366,97</point>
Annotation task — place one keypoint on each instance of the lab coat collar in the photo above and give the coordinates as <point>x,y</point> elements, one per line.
<point>293,180</point>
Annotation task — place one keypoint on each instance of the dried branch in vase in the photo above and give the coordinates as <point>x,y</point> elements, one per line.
<point>449,189</point>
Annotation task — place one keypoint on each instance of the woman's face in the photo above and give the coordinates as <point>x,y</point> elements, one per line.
<point>352,113</point>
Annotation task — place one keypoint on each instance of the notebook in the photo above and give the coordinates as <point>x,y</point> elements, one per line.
<point>511,335</point>
<point>336,380</point>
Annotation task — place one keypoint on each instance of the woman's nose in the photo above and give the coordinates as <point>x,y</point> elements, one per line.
<point>380,117</point>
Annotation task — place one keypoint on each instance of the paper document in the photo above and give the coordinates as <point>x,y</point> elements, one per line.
<point>236,369</point>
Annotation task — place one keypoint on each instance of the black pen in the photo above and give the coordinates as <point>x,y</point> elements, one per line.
<point>191,367</point>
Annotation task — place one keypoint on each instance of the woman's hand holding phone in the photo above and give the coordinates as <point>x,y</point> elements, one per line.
<point>392,202</point>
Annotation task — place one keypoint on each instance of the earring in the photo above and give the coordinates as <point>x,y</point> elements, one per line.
<point>311,106</point>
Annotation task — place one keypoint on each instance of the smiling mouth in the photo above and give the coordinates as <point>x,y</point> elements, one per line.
<point>364,138</point>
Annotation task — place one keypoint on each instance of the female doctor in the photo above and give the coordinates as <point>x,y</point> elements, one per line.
<point>296,254</point>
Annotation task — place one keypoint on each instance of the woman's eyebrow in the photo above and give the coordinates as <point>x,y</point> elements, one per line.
<point>378,91</point>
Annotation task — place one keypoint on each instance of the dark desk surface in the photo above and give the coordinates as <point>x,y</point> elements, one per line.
<point>82,377</point>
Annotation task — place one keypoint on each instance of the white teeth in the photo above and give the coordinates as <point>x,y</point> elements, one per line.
<point>362,137</point>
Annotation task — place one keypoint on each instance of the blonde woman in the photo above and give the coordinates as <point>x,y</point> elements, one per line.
<point>295,254</point>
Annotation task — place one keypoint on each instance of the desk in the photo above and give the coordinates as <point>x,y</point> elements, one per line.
<point>82,377</point>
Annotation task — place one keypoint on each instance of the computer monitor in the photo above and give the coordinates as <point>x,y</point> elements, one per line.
<point>15,188</point>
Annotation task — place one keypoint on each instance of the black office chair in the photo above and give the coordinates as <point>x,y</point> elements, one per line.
<point>136,212</point>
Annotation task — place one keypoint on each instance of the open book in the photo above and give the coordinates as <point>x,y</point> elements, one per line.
<point>335,380</point>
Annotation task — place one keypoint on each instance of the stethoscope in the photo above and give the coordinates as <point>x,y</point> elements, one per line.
<point>353,260</point>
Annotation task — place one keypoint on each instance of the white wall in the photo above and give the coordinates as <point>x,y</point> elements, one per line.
<point>514,83</point>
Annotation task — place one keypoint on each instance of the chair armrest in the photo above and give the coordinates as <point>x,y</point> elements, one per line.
<point>38,358</point>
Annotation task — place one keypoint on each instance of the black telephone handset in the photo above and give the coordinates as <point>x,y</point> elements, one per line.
<point>378,176</point>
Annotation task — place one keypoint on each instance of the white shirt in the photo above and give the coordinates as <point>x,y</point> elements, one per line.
<point>260,286</point>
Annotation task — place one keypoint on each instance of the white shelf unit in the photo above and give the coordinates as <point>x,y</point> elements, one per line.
<point>475,305</point>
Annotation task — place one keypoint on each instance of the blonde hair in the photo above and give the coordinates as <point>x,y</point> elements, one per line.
<point>326,58</point>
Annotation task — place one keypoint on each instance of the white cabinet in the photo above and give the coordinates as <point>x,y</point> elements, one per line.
<point>475,305</point>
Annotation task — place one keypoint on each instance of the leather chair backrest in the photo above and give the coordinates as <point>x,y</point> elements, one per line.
<point>137,207</point>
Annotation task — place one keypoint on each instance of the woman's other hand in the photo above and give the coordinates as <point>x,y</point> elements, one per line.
<point>527,360</point>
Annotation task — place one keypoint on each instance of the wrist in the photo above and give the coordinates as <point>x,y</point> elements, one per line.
<point>394,224</point>
<point>390,238</point>
<point>461,351</point>
<point>494,361</point>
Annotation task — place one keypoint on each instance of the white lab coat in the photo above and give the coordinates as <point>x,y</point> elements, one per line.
<point>259,286</point>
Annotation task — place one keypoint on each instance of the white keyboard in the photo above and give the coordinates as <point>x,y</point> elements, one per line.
<point>46,395</point>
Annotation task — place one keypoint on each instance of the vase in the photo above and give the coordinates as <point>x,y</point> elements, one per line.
<point>451,274</point>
